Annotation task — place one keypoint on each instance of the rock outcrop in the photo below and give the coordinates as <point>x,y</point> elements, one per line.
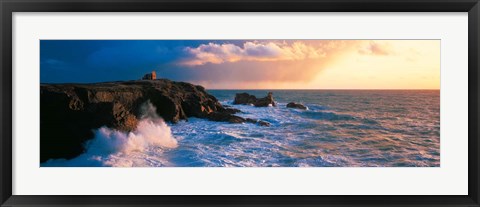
<point>70,112</point>
<point>247,99</point>
<point>296,105</point>
<point>256,121</point>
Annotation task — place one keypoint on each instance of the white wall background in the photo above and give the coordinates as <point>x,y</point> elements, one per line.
<point>450,178</point>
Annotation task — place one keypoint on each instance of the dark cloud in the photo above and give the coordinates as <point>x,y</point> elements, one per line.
<point>196,61</point>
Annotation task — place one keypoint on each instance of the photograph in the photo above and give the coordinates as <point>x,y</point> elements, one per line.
<point>240,103</point>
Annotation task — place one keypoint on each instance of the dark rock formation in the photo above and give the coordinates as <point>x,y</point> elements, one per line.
<point>246,99</point>
<point>259,122</point>
<point>225,117</point>
<point>265,101</point>
<point>296,105</point>
<point>70,112</point>
<point>230,110</point>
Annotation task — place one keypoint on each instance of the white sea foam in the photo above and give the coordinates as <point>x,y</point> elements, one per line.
<point>340,129</point>
<point>111,147</point>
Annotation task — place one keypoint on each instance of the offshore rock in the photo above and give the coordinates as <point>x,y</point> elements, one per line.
<point>296,105</point>
<point>247,99</point>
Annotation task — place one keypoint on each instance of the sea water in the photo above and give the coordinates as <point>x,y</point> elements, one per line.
<point>340,128</point>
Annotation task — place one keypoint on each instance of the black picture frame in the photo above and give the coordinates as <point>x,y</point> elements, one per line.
<point>7,7</point>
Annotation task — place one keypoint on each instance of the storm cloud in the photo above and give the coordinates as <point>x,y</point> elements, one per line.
<point>208,62</point>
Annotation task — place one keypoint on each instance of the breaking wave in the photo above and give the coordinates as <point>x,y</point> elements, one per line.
<point>340,129</point>
<point>111,147</point>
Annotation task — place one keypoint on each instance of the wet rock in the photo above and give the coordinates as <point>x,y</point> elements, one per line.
<point>263,123</point>
<point>247,99</point>
<point>296,105</point>
<point>244,98</point>
<point>225,117</point>
<point>70,112</point>
<point>259,122</point>
<point>230,110</point>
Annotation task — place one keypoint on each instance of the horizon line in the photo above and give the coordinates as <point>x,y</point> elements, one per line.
<point>391,89</point>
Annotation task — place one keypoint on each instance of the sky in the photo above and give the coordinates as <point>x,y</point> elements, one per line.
<point>248,64</point>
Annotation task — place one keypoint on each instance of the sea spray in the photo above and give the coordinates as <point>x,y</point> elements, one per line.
<point>111,147</point>
<point>341,129</point>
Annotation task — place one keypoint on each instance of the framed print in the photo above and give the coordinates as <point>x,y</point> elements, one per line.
<point>199,103</point>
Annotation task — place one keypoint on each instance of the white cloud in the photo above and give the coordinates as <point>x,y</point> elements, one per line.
<point>251,51</point>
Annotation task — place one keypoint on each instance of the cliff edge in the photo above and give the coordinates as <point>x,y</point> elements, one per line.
<point>70,112</point>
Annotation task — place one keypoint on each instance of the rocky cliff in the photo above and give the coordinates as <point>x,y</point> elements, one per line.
<point>70,112</point>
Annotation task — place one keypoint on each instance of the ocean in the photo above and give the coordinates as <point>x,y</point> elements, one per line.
<point>340,128</point>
